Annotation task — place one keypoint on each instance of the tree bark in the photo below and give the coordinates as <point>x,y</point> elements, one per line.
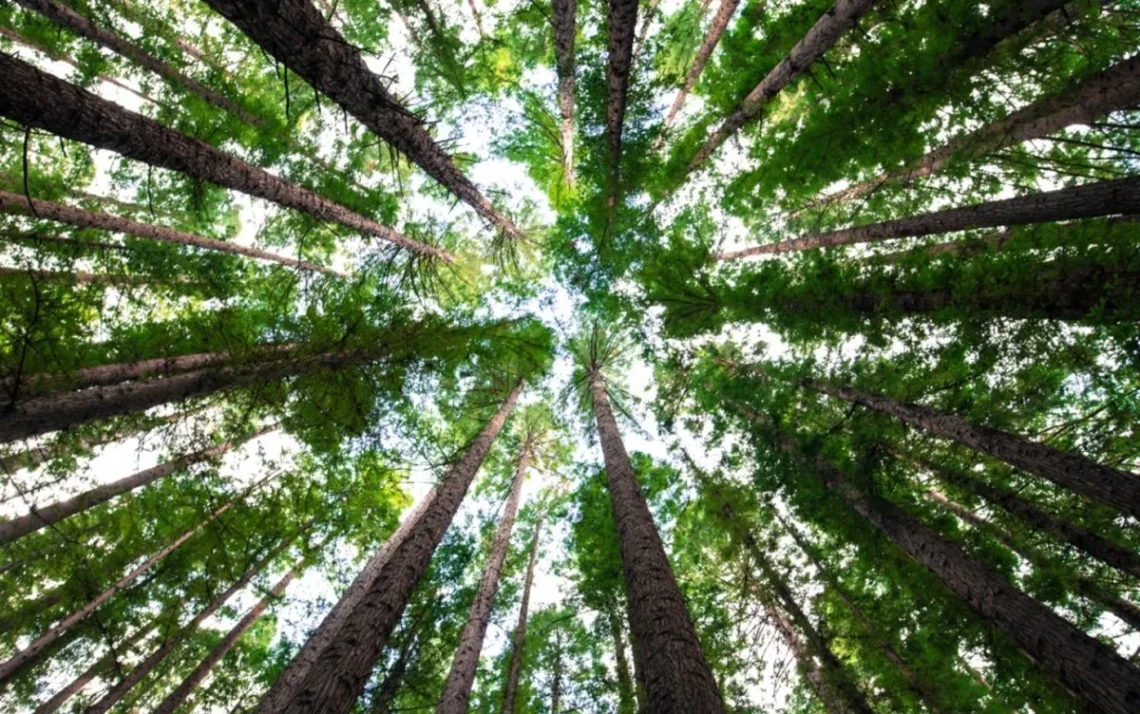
<point>1104,198</point>
<point>677,678</point>
<point>811,669</point>
<point>39,518</point>
<point>390,687</point>
<point>37,99</point>
<point>295,33</point>
<point>334,682</point>
<point>646,21</point>
<point>514,669</point>
<point>1110,486</point>
<point>622,23</point>
<point>457,688</point>
<point>556,677</point>
<point>565,21</point>
<point>639,692</point>
<point>17,205</point>
<point>720,21</point>
<point>626,703</point>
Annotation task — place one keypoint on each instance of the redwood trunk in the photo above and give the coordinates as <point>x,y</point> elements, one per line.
<point>622,25</point>
<point>390,687</point>
<point>37,456</point>
<point>626,703</point>
<point>514,669</point>
<point>38,99</point>
<point>556,678</point>
<point>565,21</point>
<point>811,669</point>
<point>457,688</point>
<point>334,682</point>
<point>677,678</point>
<point>98,669</point>
<point>719,24</point>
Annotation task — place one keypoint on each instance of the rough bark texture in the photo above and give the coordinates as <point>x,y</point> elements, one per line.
<point>1116,488</point>
<point>338,677</point>
<point>626,703</point>
<point>39,518</point>
<point>719,24</point>
<point>16,204</point>
<point>677,678</point>
<point>564,17</point>
<point>1115,89</point>
<point>1105,198</point>
<point>622,24</point>
<point>295,33</point>
<point>556,677</point>
<point>514,669</point>
<point>639,692</point>
<point>825,33</point>
<point>390,687</point>
<point>38,99</point>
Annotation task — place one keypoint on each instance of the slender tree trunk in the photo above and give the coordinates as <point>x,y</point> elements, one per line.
<point>390,687</point>
<point>820,38</point>
<point>811,669</point>
<point>1113,487</point>
<point>626,703</point>
<point>295,33</point>
<point>677,678</point>
<point>457,688</point>
<point>39,518</point>
<point>38,99</point>
<point>78,277</point>
<point>15,204</point>
<point>556,677</point>
<point>334,682</point>
<point>646,21</point>
<point>1105,198</point>
<point>514,669</point>
<point>478,19</point>
<point>622,24</point>
<point>1115,89</point>
<point>639,692</point>
<point>564,18</point>
<point>719,24</point>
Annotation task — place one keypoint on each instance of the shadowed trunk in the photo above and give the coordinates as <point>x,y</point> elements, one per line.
<point>640,694</point>
<point>514,669</point>
<point>556,676</point>
<point>677,678</point>
<point>565,21</point>
<point>622,23</point>
<point>340,673</point>
<point>719,24</point>
<point>626,703</point>
<point>646,21</point>
<point>390,687</point>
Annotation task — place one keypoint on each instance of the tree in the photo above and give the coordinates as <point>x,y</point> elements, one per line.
<point>719,23</point>
<point>518,639</point>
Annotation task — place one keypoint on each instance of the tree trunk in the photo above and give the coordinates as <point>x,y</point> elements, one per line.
<point>334,682</point>
<point>825,33</point>
<point>514,669</point>
<point>646,21</point>
<point>390,687</point>
<point>1113,487</point>
<point>556,677</point>
<point>640,694</point>
<point>811,669</point>
<point>38,99</point>
<point>626,703</point>
<point>677,678</point>
<point>457,688</point>
<point>78,277</point>
<point>16,204</point>
<point>719,24</point>
<point>1105,198</point>
<point>39,518</point>
<point>1115,89</point>
<point>564,18</point>
<point>622,25</point>
<point>295,33</point>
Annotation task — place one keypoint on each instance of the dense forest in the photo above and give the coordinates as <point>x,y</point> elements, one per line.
<point>560,357</point>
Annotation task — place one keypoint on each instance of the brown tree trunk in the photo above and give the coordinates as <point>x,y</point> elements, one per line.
<point>646,21</point>
<point>626,703</point>
<point>556,676</point>
<point>38,99</point>
<point>639,692</point>
<point>334,682</point>
<point>457,688</point>
<point>622,24</point>
<point>514,669</point>
<point>811,669</point>
<point>1105,198</point>
<point>39,518</point>
<point>1113,487</point>
<point>295,33</point>
<point>390,687</point>
<point>79,277</point>
<point>677,678</point>
<point>565,21</point>
<point>719,24</point>
<point>146,666</point>
<point>16,204</point>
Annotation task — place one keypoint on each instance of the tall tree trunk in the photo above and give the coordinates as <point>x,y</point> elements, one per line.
<point>146,666</point>
<point>1113,487</point>
<point>565,21</point>
<point>825,33</point>
<point>1114,89</point>
<point>626,703</point>
<point>78,277</point>
<point>1104,198</point>
<point>334,682</point>
<point>457,688</point>
<point>38,99</point>
<point>390,687</point>
<point>646,21</point>
<point>556,676</point>
<point>677,678</point>
<point>16,204</point>
<point>640,694</point>
<point>39,518</point>
<point>295,33</point>
<point>719,24</point>
<point>622,23</point>
<point>811,669</point>
<point>514,669</point>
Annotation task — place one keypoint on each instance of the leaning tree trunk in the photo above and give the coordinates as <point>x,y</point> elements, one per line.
<point>1113,487</point>
<point>1105,198</point>
<point>622,24</point>
<point>38,99</point>
<point>565,21</point>
<point>394,677</point>
<point>719,24</point>
<point>626,703</point>
<point>39,518</point>
<point>336,679</point>
<point>16,204</point>
<point>811,669</point>
<point>146,666</point>
<point>514,669</point>
<point>677,678</point>
<point>457,688</point>
<point>295,33</point>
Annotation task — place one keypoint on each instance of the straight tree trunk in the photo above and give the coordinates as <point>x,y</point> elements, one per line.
<point>556,677</point>
<point>677,678</point>
<point>565,21</point>
<point>295,33</point>
<point>626,703</point>
<point>514,669</point>
<point>39,518</point>
<point>639,692</point>
<point>1114,89</point>
<point>720,21</point>
<point>78,277</point>
<point>646,21</point>
<point>622,23</point>
<point>335,681</point>
<point>811,669</point>
<point>16,204</point>
<point>1104,198</point>
<point>457,688</point>
<point>1110,486</point>
<point>38,99</point>
<point>390,687</point>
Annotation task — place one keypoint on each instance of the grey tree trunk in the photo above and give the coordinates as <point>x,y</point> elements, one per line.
<point>514,669</point>
<point>622,23</point>
<point>565,21</point>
